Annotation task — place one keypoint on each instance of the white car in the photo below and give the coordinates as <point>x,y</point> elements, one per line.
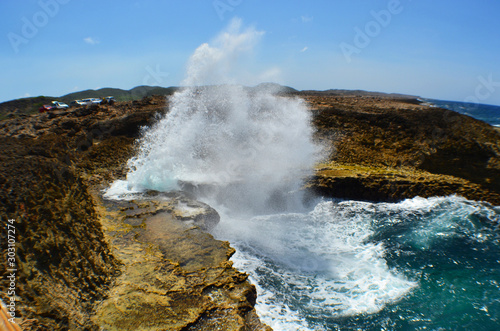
<point>76,103</point>
<point>59,105</point>
<point>86,102</point>
<point>91,101</point>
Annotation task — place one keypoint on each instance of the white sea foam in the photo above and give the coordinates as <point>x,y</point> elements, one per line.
<point>120,190</point>
<point>319,263</point>
<point>329,263</point>
<point>436,218</point>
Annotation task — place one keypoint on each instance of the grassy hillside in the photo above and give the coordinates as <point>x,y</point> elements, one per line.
<point>136,93</point>
<point>24,106</point>
<point>31,105</point>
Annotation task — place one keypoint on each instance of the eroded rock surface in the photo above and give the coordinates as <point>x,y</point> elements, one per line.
<point>175,275</point>
<point>387,149</point>
<point>87,264</point>
<point>63,264</point>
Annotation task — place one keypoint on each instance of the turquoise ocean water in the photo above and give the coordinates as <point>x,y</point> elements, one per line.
<point>421,264</point>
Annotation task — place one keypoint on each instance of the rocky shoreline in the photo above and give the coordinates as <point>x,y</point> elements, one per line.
<point>389,149</point>
<point>86,263</point>
<point>174,274</point>
<point>79,255</point>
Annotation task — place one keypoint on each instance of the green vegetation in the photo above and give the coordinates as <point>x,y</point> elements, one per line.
<point>24,106</point>
<point>136,93</point>
<point>31,105</point>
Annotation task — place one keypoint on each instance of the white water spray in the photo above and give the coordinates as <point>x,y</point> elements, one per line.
<point>246,148</point>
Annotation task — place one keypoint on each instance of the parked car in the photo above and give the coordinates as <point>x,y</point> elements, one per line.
<point>91,101</point>
<point>76,103</point>
<point>45,108</point>
<point>59,105</point>
<point>86,102</point>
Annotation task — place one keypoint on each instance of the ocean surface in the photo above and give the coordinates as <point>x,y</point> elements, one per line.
<point>421,264</point>
<point>487,113</point>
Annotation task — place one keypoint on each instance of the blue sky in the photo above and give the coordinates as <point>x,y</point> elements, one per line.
<point>440,49</point>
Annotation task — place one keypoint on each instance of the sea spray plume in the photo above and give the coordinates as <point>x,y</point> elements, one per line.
<point>220,63</point>
<point>244,148</point>
<point>251,146</point>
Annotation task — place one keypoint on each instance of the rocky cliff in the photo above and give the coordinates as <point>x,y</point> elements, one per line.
<point>391,148</point>
<point>64,265</point>
<point>86,263</point>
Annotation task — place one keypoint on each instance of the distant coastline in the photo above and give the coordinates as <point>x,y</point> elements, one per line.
<point>484,112</point>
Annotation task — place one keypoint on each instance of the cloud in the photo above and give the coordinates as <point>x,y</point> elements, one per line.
<point>91,41</point>
<point>306,19</point>
<point>304,49</point>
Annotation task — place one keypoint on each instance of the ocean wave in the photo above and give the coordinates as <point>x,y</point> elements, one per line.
<point>344,259</point>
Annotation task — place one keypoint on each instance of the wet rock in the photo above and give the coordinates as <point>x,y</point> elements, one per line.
<point>176,203</point>
<point>391,184</point>
<point>87,263</point>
